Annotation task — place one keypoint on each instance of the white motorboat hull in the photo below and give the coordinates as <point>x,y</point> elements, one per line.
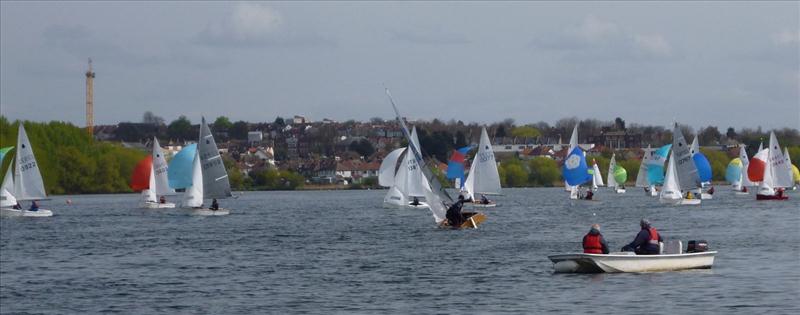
<point>630,262</point>
<point>9,212</point>
<point>208,212</point>
<point>155,205</point>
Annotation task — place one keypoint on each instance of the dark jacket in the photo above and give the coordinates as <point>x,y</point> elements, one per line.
<point>454,215</point>
<point>602,240</point>
<point>641,244</point>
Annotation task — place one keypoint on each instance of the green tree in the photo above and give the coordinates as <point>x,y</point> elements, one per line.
<point>181,128</point>
<point>222,123</point>
<point>239,130</point>
<point>363,147</point>
<point>525,132</point>
<point>544,171</point>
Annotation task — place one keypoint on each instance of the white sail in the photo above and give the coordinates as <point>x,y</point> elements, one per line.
<point>483,177</point>
<point>28,183</point>
<point>781,171</point>
<point>386,173</point>
<point>745,163</point>
<point>160,171</point>
<point>641,177</point>
<point>597,177</point>
<point>684,163</point>
<point>435,203</point>
<point>215,177</point>
<point>414,178</point>
<point>573,142</point>
<point>149,194</point>
<point>7,198</point>
<point>193,197</point>
<point>767,185</point>
<point>395,197</point>
<point>788,163</point>
<point>695,147</point>
<point>671,189</point>
<point>611,166</point>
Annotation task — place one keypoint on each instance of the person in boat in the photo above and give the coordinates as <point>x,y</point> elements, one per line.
<point>17,206</point>
<point>34,206</point>
<point>454,216</point>
<point>647,190</point>
<point>484,200</point>
<point>744,188</point>
<point>589,195</point>
<point>710,190</point>
<point>214,204</point>
<point>594,242</point>
<point>689,195</point>
<point>646,242</point>
<point>415,202</point>
<point>162,199</point>
<point>779,192</point>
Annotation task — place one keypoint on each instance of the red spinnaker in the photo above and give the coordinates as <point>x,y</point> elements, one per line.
<point>140,180</point>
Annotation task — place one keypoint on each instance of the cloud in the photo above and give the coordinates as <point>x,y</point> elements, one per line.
<point>256,25</point>
<point>596,39</point>
<point>428,37</point>
<point>786,37</point>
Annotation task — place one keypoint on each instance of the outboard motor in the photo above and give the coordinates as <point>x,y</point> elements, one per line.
<point>697,246</point>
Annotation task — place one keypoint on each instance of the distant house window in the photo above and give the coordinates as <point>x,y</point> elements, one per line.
<point>522,147</point>
<point>508,147</point>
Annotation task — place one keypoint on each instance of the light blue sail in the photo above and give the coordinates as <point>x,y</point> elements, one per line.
<point>703,167</point>
<point>734,172</point>
<point>575,170</point>
<point>180,168</point>
<point>655,166</point>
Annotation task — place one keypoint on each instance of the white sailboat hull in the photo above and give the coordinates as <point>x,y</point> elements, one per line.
<point>209,212</point>
<point>156,205</point>
<point>8,212</point>
<point>680,202</point>
<point>619,190</point>
<point>706,196</point>
<point>630,262</point>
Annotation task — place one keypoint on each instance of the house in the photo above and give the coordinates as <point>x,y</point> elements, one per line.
<point>616,139</point>
<point>298,120</point>
<point>255,137</point>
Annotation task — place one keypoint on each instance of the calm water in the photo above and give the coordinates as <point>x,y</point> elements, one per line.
<point>341,252</point>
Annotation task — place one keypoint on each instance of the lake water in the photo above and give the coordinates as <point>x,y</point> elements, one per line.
<point>341,252</point>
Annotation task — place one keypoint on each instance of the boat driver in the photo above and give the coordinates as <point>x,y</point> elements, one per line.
<point>646,242</point>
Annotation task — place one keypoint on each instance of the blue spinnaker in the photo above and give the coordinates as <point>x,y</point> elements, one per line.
<point>703,167</point>
<point>180,168</point>
<point>734,172</point>
<point>575,170</point>
<point>655,174</point>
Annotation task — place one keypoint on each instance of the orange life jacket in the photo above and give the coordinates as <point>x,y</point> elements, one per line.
<point>653,236</point>
<point>591,244</point>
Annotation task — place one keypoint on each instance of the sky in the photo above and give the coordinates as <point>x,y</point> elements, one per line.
<point>709,63</point>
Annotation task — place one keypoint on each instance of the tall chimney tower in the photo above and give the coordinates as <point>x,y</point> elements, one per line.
<point>90,100</point>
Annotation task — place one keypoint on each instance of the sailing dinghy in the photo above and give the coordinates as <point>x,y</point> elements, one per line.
<point>642,177</point>
<point>438,198</point>
<point>408,183</point>
<point>681,173</point>
<point>770,168</point>
<point>706,191</point>
<point>617,175</point>
<point>25,183</point>
<point>576,172</point>
<point>483,177</point>
<point>158,182</point>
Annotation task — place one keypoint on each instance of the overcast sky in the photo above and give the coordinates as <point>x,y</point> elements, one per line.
<point>718,63</point>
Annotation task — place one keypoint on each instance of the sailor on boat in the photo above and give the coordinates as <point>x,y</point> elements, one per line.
<point>415,202</point>
<point>17,206</point>
<point>689,195</point>
<point>214,204</point>
<point>594,242</point>
<point>162,199</point>
<point>646,242</point>
<point>34,206</point>
<point>484,200</point>
<point>454,215</point>
<point>589,195</point>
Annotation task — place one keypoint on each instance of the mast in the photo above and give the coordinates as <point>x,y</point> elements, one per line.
<point>90,100</point>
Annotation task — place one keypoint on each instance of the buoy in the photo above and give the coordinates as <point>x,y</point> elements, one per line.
<point>69,201</point>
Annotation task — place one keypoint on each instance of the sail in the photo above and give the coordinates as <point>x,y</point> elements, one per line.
<point>455,166</point>
<point>414,176</point>
<point>441,195</point>
<point>597,177</point>
<point>620,175</point>
<point>758,166</point>
<point>688,177</point>
<point>215,177</point>
<point>573,142</point>
<point>193,197</point>
<point>695,147</point>
<point>3,153</point>
<point>160,170</point>
<point>436,204</point>
<point>612,182</point>
<point>781,171</point>
<point>395,197</point>
<point>745,163</point>
<point>671,189</point>
<point>733,174</point>
<point>575,170</point>
<point>7,198</point>
<point>180,168</point>
<point>150,193</point>
<point>140,179</point>
<point>703,167</point>
<point>28,183</point>
<point>386,173</point>
<point>483,177</point>
<point>655,167</point>
<point>794,174</point>
<point>641,177</point>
